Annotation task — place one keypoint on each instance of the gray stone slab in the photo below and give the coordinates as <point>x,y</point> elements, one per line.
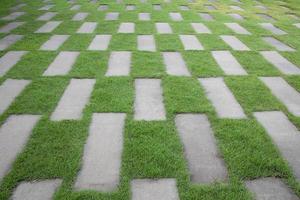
<point>204,162</point>
<point>184,8</point>
<point>130,7</point>
<point>103,7</point>
<point>284,134</point>
<point>277,44</point>
<point>238,29</point>
<point>234,43</point>
<point>175,64</point>
<point>284,92</point>
<point>270,189</point>
<point>17,7</point>
<point>224,102</point>
<point>233,7</point>
<point>270,27</point>
<point>119,63</point>
<point>210,7</point>
<point>9,90</point>
<point>200,28</point>
<point>156,7</point>
<point>46,7</point>
<point>47,16</point>
<point>228,63</point>
<point>87,27</point>
<point>62,64</point>
<point>37,190</point>
<point>14,134</point>
<point>190,42</point>
<point>8,60</point>
<point>9,40</point>
<point>265,17</point>
<point>144,16</point>
<point>126,27</point>
<point>54,42</point>
<point>48,27</point>
<point>80,16</point>
<point>147,189</point>
<point>281,63</point>
<point>163,28</point>
<point>74,100</point>
<point>146,43</point>
<point>102,153</point>
<point>10,26</point>
<point>261,7</point>
<point>297,25</point>
<point>100,42</point>
<point>175,16</point>
<point>206,16</point>
<point>148,104</point>
<point>112,16</point>
<point>236,16</point>
<point>75,7</point>
<point>13,16</point>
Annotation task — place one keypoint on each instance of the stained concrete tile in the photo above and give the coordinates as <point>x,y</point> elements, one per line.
<point>206,16</point>
<point>112,16</point>
<point>261,7</point>
<point>148,103</point>
<point>156,7</point>
<point>54,42</point>
<point>46,7</point>
<point>200,28</point>
<point>204,162</point>
<point>147,189</point>
<point>75,7</point>
<point>281,63</point>
<point>277,44</point>
<point>270,27</point>
<point>100,42</point>
<point>9,40</point>
<point>62,64</point>
<point>146,43</point>
<point>265,17</point>
<point>119,63</point>
<point>48,27</point>
<point>37,190</point>
<point>210,7</point>
<point>87,27</point>
<point>102,153</point>
<point>80,16</point>
<point>219,95</point>
<point>13,16</point>
<point>175,64</point>
<point>17,7</point>
<point>47,16</point>
<point>74,100</point>
<point>228,63</point>
<point>285,93</point>
<point>8,60</point>
<point>236,16</point>
<point>144,16</point>
<point>270,188</point>
<point>190,42</point>
<point>130,7</point>
<point>175,16</point>
<point>126,27</point>
<point>163,28</point>
<point>236,8</point>
<point>184,8</point>
<point>10,26</point>
<point>284,134</point>
<point>234,43</point>
<point>103,7</point>
<point>238,29</point>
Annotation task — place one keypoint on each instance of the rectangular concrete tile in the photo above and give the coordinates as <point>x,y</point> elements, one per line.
<point>9,40</point>
<point>119,63</point>
<point>13,16</point>
<point>261,7</point>
<point>17,7</point>
<point>126,27</point>
<point>37,190</point>
<point>236,8</point>
<point>284,92</point>
<point>236,16</point>
<point>277,44</point>
<point>222,99</point>
<point>147,189</point>
<point>74,100</point>
<point>144,16</point>
<point>146,43</point>
<point>100,42</point>
<point>62,64</point>
<point>270,27</point>
<point>234,43</point>
<point>130,7</point>
<point>281,63</point>
<point>156,7</point>
<point>200,148</point>
<point>54,42</point>
<point>14,134</point>
<point>80,16</point>
<point>112,16</point>
<point>284,134</point>
<point>175,64</point>
<point>210,7</point>
<point>47,16</point>
<point>297,25</point>
<point>190,42</point>
<point>270,189</point>
<point>8,60</point>
<point>48,27</point>
<point>148,104</point>
<point>238,29</point>
<point>102,153</point>
<point>75,7</point>
<point>184,8</point>
<point>46,7</point>
<point>206,16</point>
<point>228,63</point>
<point>9,90</point>
<point>103,7</point>
<point>163,28</point>
<point>87,27</point>
<point>10,26</point>
<point>175,16</point>
<point>265,17</point>
<point>200,28</point>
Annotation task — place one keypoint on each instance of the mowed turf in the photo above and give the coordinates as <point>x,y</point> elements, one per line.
<point>151,149</point>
